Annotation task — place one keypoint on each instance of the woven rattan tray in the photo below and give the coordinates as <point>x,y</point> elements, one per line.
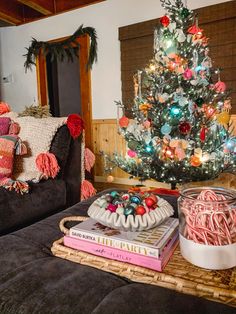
<point>179,275</point>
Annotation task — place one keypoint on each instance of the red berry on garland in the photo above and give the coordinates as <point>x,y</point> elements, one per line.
<point>149,201</point>
<point>184,127</point>
<point>165,21</point>
<point>140,210</point>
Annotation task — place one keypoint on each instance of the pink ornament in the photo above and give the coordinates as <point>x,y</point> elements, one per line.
<point>131,153</point>
<point>188,73</point>
<point>220,87</point>
<point>147,124</point>
<point>112,208</point>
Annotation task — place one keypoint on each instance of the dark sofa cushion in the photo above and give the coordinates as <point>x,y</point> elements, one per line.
<point>60,147</point>
<point>45,198</point>
<point>32,280</point>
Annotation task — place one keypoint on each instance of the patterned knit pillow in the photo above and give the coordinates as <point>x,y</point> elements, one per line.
<point>8,147</point>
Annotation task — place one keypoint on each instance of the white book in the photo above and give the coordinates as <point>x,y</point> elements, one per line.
<point>148,243</point>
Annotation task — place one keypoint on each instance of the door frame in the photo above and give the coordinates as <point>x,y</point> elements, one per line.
<point>85,84</point>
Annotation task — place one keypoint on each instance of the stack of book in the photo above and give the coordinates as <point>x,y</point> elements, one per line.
<point>151,249</point>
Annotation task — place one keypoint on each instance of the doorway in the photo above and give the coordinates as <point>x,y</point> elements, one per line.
<point>66,86</point>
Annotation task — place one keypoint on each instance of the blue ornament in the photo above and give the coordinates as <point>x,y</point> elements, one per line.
<point>149,149</point>
<point>199,68</point>
<point>166,129</point>
<point>175,112</point>
<point>135,199</point>
<point>129,211</point>
<point>231,144</point>
<point>114,193</point>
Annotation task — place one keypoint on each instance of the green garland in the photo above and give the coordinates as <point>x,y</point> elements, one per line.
<point>67,48</point>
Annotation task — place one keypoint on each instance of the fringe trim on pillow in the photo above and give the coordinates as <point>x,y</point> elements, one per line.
<point>87,190</point>
<point>89,159</point>
<point>12,185</point>
<point>20,148</point>
<point>47,164</point>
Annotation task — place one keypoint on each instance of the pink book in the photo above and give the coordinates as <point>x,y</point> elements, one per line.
<point>124,256</point>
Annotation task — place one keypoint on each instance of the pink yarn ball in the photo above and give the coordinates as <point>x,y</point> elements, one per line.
<point>147,124</point>
<point>131,153</point>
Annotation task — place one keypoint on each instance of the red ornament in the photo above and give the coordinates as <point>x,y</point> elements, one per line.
<point>154,198</point>
<point>75,125</point>
<point>195,30</point>
<point>195,161</point>
<point>165,21</point>
<point>124,122</point>
<point>149,201</point>
<point>140,210</point>
<point>203,134</point>
<point>184,127</point>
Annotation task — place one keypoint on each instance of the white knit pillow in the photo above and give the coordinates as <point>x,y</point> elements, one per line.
<point>37,134</point>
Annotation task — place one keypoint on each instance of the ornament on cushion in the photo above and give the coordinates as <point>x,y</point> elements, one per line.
<point>75,125</point>
<point>47,164</point>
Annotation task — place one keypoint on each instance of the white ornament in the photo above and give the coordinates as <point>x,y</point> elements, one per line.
<point>172,27</point>
<point>180,36</point>
<point>194,82</point>
<point>189,38</point>
<point>120,210</point>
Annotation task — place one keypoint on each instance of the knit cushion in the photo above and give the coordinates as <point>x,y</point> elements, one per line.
<point>7,147</point>
<point>37,134</point>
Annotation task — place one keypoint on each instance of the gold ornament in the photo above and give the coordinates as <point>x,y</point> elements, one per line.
<point>223,117</point>
<point>110,179</point>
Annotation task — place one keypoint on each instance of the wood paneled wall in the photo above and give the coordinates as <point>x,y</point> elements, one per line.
<point>107,139</point>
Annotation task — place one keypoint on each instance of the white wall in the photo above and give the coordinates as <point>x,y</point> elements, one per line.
<point>106,18</point>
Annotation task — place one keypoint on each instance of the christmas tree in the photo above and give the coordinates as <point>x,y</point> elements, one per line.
<point>180,129</point>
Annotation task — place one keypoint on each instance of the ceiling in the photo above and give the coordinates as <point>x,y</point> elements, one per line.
<point>17,12</point>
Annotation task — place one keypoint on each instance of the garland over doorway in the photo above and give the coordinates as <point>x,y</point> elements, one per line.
<point>67,48</point>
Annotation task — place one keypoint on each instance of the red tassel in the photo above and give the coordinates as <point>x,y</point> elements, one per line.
<point>87,190</point>
<point>4,108</point>
<point>89,159</point>
<point>47,164</point>
<point>75,125</point>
